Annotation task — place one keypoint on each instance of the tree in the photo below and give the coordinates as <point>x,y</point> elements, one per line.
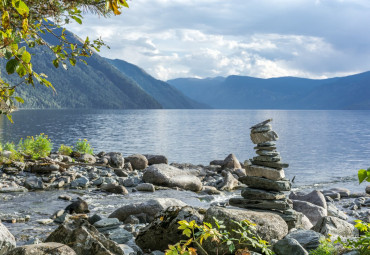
<point>23,23</point>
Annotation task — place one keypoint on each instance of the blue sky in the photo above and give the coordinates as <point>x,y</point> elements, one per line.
<point>259,38</point>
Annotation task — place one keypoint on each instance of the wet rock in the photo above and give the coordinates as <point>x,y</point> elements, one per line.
<point>266,172</point>
<point>309,239</point>
<point>87,158</point>
<point>231,162</point>
<point>289,246</point>
<point>229,182</point>
<point>79,206</point>
<point>315,197</point>
<point>148,208</point>
<point>163,230</point>
<point>107,223</point>
<point>7,240</point>
<point>116,159</point>
<point>119,235</point>
<point>169,176</point>
<point>34,183</point>
<point>313,212</point>
<point>94,218</point>
<point>156,159</point>
<point>147,187</point>
<point>50,248</point>
<point>261,129</point>
<point>137,161</point>
<point>81,182</point>
<point>210,190</point>
<point>84,239</point>
<point>45,168</point>
<point>131,182</point>
<point>335,226</point>
<point>266,184</point>
<point>114,188</point>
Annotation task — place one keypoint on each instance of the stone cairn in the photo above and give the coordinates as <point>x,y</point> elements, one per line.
<point>265,178</point>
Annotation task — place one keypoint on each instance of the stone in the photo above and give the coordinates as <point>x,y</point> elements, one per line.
<point>255,194</point>
<point>266,159</point>
<point>65,197</point>
<point>34,183</point>
<point>315,197</point>
<point>334,211</point>
<point>210,190</point>
<point>332,194</point>
<point>367,190</point>
<point>87,158</point>
<point>156,159</point>
<point>149,208</point>
<point>81,182</point>
<point>216,162</point>
<point>342,191</point>
<point>114,188</point>
<point>289,246</point>
<point>83,238</point>
<point>261,129</point>
<point>260,204</point>
<point>263,123</point>
<point>137,161</point>
<point>107,223</point>
<point>276,165</point>
<point>266,172</point>
<point>269,226</point>
<point>264,137</point>
<point>50,248</point>
<point>170,176</point>
<point>268,153</point>
<point>266,184</point>
<point>120,173</point>
<point>131,182</point>
<point>306,223</point>
<point>116,159</point>
<point>119,235</point>
<point>309,239</point>
<point>7,240</point>
<point>266,148</point>
<point>163,230</point>
<point>313,212</point>
<point>335,226</point>
<point>45,168</point>
<point>231,162</point>
<point>79,206</point>
<point>147,187</point>
<point>229,182</point>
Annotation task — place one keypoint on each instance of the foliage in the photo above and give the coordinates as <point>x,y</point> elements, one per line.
<point>326,247</point>
<point>198,233</point>
<point>65,150</point>
<point>82,146</point>
<point>9,146</point>
<point>1,147</point>
<point>363,175</point>
<point>362,244</point>
<point>22,25</point>
<point>36,147</point>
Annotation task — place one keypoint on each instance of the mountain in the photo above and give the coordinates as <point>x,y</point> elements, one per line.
<point>168,96</point>
<point>243,92</point>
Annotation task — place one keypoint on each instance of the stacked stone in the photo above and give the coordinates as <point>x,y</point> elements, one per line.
<point>265,177</point>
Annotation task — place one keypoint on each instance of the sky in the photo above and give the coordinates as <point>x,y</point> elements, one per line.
<point>260,38</point>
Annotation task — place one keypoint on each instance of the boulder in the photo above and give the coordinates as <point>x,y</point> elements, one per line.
<point>83,238</point>
<point>156,159</point>
<point>313,212</point>
<point>148,209</point>
<point>229,182</point>
<point>332,194</point>
<point>43,249</point>
<point>45,168</point>
<point>289,246</point>
<point>170,176</point>
<point>281,205</point>
<point>163,230</point>
<point>315,197</point>
<point>87,158</point>
<point>116,159</point>
<point>264,137</point>
<point>216,162</point>
<point>306,223</point>
<point>266,172</point>
<point>34,183</point>
<point>335,226</point>
<point>334,211</point>
<point>266,184</point>
<point>367,190</point>
<point>114,188</point>
<point>79,206</point>
<point>342,191</point>
<point>309,239</point>
<point>137,161</point>
<point>81,182</point>
<point>269,226</point>
<point>7,240</point>
<point>231,162</point>
<point>148,187</point>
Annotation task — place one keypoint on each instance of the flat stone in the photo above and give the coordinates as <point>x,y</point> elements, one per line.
<point>266,184</point>
<point>119,235</point>
<point>260,204</point>
<point>267,158</point>
<point>276,165</point>
<point>309,239</point>
<point>266,144</point>
<point>289,246</point>
<point>267,153</point>
<point>264,137</point>
<point>263,123</point>
<point>147,187</point>
<point>342,191</point>
<point>266,148</point>
<point>249,193</point>
<point>267,172</point>
<point>45,168</point>
<point>315,197</point>
<point>107,222</point>
<point>263,128</point>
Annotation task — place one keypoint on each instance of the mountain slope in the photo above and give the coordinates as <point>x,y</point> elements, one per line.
<point>168,96</point>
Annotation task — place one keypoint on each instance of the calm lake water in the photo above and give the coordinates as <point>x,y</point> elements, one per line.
<point>323,148</point>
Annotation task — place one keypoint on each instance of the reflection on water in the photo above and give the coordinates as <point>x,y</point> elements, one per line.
<point>321,146</point>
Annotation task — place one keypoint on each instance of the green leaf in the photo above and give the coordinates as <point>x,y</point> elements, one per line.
<point>72,61</point>
<point>187,232</point>
<point>19,99</point>
<point>11,66</point>
<point>77,19</point>
<point>56,63</point>
<point>21,71</point>
<point>362,174</point>
<point>10,118</point>
<point>21,7</point>
<point>26,57</point>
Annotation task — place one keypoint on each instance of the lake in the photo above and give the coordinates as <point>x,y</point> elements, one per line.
<point>323,148</point>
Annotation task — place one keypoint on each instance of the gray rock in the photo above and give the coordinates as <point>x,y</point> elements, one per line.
<point>209,190</point>
<point>107,223</point>
<point>84,239</point>
<point>260,129</point>
<point>7,240</point>
<point>260,204</point>
<point>163,230</point>
<point>306,223</point>
<point>79,206</point>
<point>342,191</point>
<point>332,194</point>
<point>148,187</point>
<point>127,249</point>
<point>266,159</point>
<point>216,162</point>
<point>50,248</point>
<point>313,212</point>
<point>309,239</point>
<point>231,162</point>
<point>34,183</point>
<point>114,188</point>
<point>315,197</point>
<point>335,226</point>
<point>119,235</point>
<point>81,182</point>
<point>289,246</point>
<point>367,190</point>
<point>267,148</point>
<point>255,194</point>
<point>148,208</point>
<point>94,218</point>
<point>266,184</point>
<point>268,153</point>
<point>263,123</point>
<point>229,182</point>
<point>169,176</point>
<point>276,165</point>
<point>131,182</point>
<point>116,159</point>
<point>65,197</point>
<point>266,172</point>
<point>334,211</point>
<point>137,161</point>
<point>156,159</point>
<point>87,158</point>
<point>264,137</point>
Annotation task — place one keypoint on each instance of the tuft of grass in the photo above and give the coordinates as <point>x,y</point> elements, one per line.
<point>82,146</point>
<point>65,150</point>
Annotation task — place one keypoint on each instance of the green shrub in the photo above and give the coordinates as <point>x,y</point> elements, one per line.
<point>9,147</point>
<point>326,247</point>
<point>82,146</point>
<point>1,147</point>
<point>361,244</point>
<point>36,147</point>
<point>25,146</point>
<point>65,150</point>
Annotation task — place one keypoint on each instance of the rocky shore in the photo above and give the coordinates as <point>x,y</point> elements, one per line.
<point>111,204</point>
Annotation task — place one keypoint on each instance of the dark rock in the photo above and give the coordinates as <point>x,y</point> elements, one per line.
<point>156,159</point>
<point>216,162</point>
<point>255,194</point>
<point>266,184</point>
<point>289,246</point>
<point>367,190</point>
<point>333,194</point>
<point>137,161</point>
<point>315,197</point>
<point>266,148</point>
<point>114,188</point>
<point>120,173</point>
<point>79,206</point>
<point>231,162</point>
<point>116,159</point>
<point>45,168</point>
<point>34,183</point>
<point>309,239</point>
<point>7,240</point>
<point>94,218</point>
<point>276,165</point>
<point>267,153</point>
<point>264,128</point>
<point>50,248</point>
<point>266,159</point>
<point>260,204</point>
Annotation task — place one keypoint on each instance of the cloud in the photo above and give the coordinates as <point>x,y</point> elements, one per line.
<point>262,38</point>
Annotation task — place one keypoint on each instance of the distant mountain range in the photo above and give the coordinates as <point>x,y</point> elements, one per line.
<point>242,92</point>
<point>99,85</point>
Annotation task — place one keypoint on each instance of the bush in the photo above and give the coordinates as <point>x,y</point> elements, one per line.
<point>361,244</point>
<point>82,146</point>
<point>36,147</point>
<point>65,150</point>
<point>9,147</point>
<point>326,247</point>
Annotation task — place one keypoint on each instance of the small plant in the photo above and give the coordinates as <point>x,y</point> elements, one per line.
<point>361,244</point>
<point>326,247</point>
<point>36,147</point>
<point>363,175</point>
<point>65,150</point>
<point>25,146</point>
<point>1,147</point>
<point>9,147</point>
<point>82,146</point>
